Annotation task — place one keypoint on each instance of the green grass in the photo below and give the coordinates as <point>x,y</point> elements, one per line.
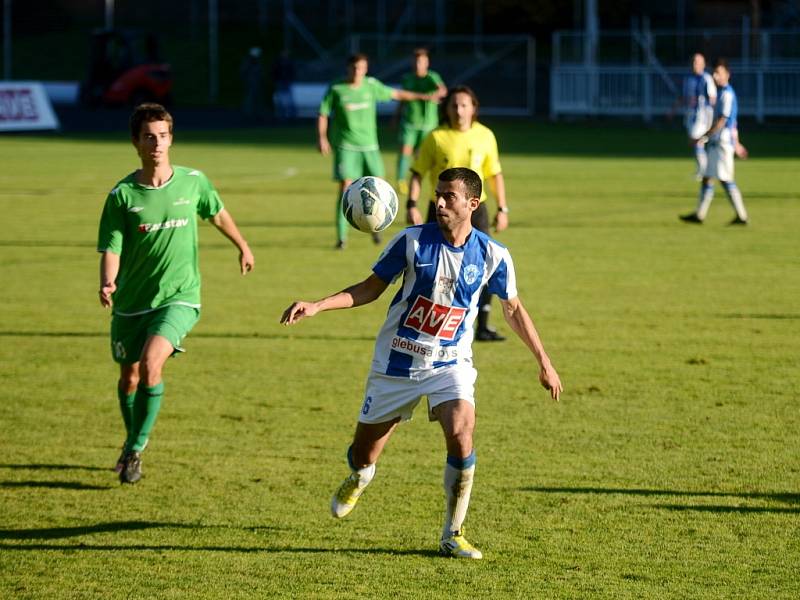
<point>671,468</point>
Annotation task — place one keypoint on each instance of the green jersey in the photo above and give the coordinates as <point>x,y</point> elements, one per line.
<point>421,114</point>
<point>154,231</point>
<point>354,124</point>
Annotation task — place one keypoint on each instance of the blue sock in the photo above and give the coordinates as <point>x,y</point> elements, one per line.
<point>462,463</point>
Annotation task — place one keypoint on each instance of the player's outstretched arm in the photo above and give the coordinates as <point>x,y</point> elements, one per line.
<point>225,223</point>
<point>408,96</point>
<point>520,321</point>
<point>355,295</point>
<point>109,268</point>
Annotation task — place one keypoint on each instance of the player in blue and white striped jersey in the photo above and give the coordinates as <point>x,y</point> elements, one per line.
<point>723,139</point>
<point>425,346</point>
<point>699,97</point>
<point>429,324</point>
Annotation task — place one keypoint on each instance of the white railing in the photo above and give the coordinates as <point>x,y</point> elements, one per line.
<point>762,91</point>
<point>624,73</point>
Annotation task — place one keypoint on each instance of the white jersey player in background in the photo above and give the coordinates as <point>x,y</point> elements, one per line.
<point>425,346</point>
<point>723,141</point>
<point>699,97</point>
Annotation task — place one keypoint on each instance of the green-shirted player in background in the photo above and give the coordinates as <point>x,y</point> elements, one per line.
<point>354,133</point>
<point>149,272</point>
<point>417,118</point>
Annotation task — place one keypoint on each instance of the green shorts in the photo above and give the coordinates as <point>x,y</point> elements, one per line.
<point>129,334</point>
<point>352,164</point>
<point>412,136</point>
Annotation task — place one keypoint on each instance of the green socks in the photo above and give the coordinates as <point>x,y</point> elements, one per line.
<point>147,403</point>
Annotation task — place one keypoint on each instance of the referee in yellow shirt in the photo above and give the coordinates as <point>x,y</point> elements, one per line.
<point>462,142</point>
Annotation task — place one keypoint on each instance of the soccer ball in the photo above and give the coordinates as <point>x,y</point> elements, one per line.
<point>369,204</point>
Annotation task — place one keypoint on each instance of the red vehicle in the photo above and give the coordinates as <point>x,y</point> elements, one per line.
<point>125,69</point>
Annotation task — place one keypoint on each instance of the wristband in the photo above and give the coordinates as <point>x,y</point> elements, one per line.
<point>502,209</point>
<point>411,204</point>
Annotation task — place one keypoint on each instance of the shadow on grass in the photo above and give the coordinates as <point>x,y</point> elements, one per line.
<point>232,335</point>
<point>238,549</point>
<point>789,498</point>
<point>59,485</point>
<point>51,467</point>
<point>728,509</point>
<point>776,316</point>
<point>51,533</point>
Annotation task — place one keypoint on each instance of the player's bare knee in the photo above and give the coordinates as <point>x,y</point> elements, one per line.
<point>128,384</point>
<point>459,442</point>
<point>128,378</point>
<point>150,373</point>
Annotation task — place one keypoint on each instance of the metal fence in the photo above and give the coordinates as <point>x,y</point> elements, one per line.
<point>501,69</point>
<point>770,91</point>
<point>639,74</point>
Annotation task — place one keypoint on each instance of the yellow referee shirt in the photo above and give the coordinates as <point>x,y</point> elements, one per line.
<point>445,147</point>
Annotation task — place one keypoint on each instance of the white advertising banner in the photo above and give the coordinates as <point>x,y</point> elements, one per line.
<point>24,106</point>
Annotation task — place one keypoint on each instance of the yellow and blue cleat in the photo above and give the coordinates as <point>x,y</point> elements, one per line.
<point>457,546</point>
<point>345,498</point>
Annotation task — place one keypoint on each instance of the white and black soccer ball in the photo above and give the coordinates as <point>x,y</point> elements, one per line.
<point>369,204</point>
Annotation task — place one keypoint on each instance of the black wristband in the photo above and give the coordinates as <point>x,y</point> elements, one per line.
<point>411,204</point>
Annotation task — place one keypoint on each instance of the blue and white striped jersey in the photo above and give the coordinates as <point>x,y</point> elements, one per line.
<point>699,91</point>
<point>728,107</point>
<point>429,322</point>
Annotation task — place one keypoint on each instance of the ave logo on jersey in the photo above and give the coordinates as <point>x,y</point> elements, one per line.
<point>438,320</point>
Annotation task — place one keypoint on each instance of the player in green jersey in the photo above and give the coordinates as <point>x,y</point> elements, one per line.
<point>149,272</point>
<point>354,133</point>
<point>417,118</point>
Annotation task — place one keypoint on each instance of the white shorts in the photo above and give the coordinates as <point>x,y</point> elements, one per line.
<point>720,161</point>
<point>387,397</point>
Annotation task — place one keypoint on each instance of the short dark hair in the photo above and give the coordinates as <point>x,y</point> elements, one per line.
<point>421,51</point>
<point>147,113</point>
<point>471,180</point>
<point>723,62</point>
<point>354,58</point>
<point>458,89</point>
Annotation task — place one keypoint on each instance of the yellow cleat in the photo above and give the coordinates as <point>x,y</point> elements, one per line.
<point>457,546</point>
<point>345,498</point>
<point>402,187</point>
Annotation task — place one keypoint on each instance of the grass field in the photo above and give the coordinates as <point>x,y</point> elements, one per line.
<point>671,468</point>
